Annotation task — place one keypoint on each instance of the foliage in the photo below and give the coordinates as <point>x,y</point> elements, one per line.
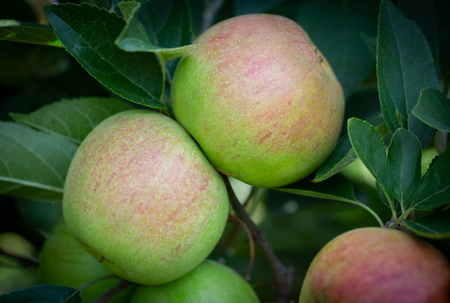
<point>96,58</point>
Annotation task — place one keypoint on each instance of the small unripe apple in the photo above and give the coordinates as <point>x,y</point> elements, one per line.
<point>209,282</point>
<point>143,199</point>
<point>374,265</point>
<point>64,262</point>
<point>260,99</point>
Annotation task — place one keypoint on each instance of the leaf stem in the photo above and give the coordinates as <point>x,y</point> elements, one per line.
<point>283,275</point>
<point>404,215</point>
<point>90,283</point>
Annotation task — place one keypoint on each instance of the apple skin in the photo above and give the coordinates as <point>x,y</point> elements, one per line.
<point>260,99</point>
<point>375,265</point>
<point>209,282</point>
<point>142,198</point>
<point>64,262</point>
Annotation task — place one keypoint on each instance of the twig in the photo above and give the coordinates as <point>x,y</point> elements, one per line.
<point>209,13</point>
<point>113,291</point>
<point>283,275</point>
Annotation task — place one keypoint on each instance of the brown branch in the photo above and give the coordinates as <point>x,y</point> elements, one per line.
<point>283,275</point>
<point>113,291</point>
<point>232,218</point>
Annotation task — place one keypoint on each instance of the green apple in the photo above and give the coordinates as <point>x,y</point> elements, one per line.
<point>209,282</point>
<point>64,262</point>
<point>260,99</point>
<point>375,265</point>
<point>142,198</point>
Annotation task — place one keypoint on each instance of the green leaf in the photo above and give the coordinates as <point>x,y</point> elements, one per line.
<point>435,188</point>
<point>135,38</point>
<point>33,164</point>
<point>335,188</point>
<point>336,27</point>
<point>72,118</point>
<point>341,156</point>
<point>434,226</point>
<point>371,43</point>
<point>404,67</point>
<point>369,147</point>
<point>88,33</point>
<point>405,154</point>
<point>433,109</point>
<point>33,33</point>
<point>42,294</point>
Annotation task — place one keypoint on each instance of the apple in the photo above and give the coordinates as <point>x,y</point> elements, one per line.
<point>142,198</point>
<point>375,265</point>
<point>260,99</point>
<point>64,262</point>
<point>209,282</point>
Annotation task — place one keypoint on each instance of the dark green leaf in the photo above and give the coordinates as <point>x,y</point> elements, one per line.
<point>88,33</point>
<point>369,147</point>
<point>74,118</point>
<point>243,7</point>
<point>336,27</point>
<point>435,226</point>
<point>17,31</point>
<point>341,156</point>
<point>371,43</point>
<point>33,164</point>
<point>433,109</point>
<point>335,188</point>
<point>435,188</point>
<point>135,38</point>
<point>42,294</point>
<point>404,67</point>
<point>396,205</point>
<point>405,154</point>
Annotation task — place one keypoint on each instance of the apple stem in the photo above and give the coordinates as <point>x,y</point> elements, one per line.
<point>113,291</point>
<point>232,218</point>
<point>283,275</point>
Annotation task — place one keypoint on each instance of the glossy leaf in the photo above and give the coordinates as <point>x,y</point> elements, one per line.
<point>73,118</point>
<point>433,109</point>
<point>34,33</point>
<point>405,154</point>
<point>335,27</point>
<point>42,294</point>
<point>33,164</point>
<point>404,68</point>
<point>369,147</point>
<point>341,156</point>
<point>134,37</point>
<point>88,33</point>
<point>435,226</point>
<point>435,188</point>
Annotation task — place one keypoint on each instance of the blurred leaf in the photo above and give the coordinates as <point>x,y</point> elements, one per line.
<point>405,154</point>
<point>371,43</point>
<point>434,226</point>
<point>33,33</point>
<point>42,294</point>
<point>433,109</point>
<point>135,38</point>
<point>404,67</point>
<point>33,164</point>
<point>73,118</point>
<point>341,156</point>
<point>88,33</point>
<point>336,27</point>
<point>244,7</point>
<point>435,188</point>
<point>335,188</point>
<point>369,147</point>
<point>113,4</point>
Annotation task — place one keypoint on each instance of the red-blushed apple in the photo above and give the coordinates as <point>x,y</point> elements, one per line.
<point>210,282</point>
<point>375,265</point>
<point>143,199</point>
<point>260,99</point>
<point>64,262</point>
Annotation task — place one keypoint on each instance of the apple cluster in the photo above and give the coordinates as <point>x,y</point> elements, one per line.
<point>148,202</point>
